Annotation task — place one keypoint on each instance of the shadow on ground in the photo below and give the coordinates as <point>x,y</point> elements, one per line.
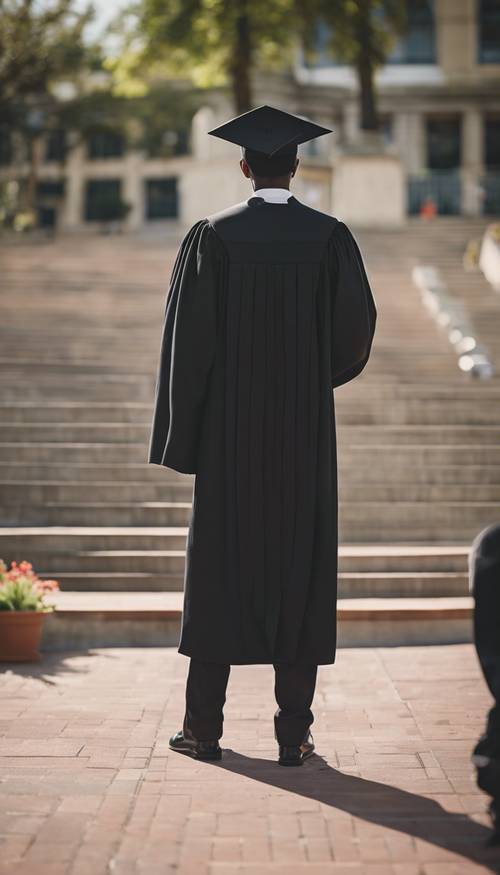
<point>51,665</point>
<point>390,807</point>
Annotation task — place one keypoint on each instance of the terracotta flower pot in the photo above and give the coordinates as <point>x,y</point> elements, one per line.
<point>20,633</point>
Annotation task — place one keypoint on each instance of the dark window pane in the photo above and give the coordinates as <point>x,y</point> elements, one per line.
<point>50,188</point>
<point>418,44</point>
<point>161,198</point>
<point>102,199</point>
<point>182,145</point>
<point>491,194</point>
<point>5,145</point>
<point>443,143</point>
<point>105,144</point>
<point>489,31</point>
<point>492,142</point>
<point>55,148</point>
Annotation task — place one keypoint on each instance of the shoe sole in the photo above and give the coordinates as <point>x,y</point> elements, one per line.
<point>211,757</point>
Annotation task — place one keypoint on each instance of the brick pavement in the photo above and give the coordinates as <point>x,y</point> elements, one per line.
<point>88,786</point>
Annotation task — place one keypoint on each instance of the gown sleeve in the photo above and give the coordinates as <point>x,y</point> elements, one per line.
<point>187,351</point>
<point>353,308</point>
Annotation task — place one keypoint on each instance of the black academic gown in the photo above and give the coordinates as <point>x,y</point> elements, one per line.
<point>269,308</point>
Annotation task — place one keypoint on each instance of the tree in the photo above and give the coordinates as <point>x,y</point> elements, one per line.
<point>156,122</point>
<point>41,44</point>
<point>212,42</point>
<point>361,33</point>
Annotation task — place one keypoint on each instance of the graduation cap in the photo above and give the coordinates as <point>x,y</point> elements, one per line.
<point>269,130</point>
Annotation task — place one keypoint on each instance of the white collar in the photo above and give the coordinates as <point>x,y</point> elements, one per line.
<point>273,195</point>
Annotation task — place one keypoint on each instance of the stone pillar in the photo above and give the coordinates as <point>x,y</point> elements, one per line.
<point>72,216</point>
<point>456,36</point>
<point>472,161</point>
<point>351,122</point>
<point>201,144</point>
<point>409,140</point>
<point>369,190</point>
<point>133,190</point>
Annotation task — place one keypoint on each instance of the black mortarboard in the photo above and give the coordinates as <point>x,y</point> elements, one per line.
<point>269,130</point>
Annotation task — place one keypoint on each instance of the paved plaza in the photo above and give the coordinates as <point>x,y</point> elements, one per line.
<point>88,785</point>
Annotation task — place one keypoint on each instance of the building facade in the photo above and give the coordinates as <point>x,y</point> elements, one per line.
<point>438,99</point>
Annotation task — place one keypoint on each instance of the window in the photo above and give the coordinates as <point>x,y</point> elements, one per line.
<point>443,143</point>
<point>488,26</point>
<point>416,46</point>
<point>161,198</point>
<point>492,143</point>
<point>387,128</point>
<point>55,147</point>
<point>50,188</point>
<point>102,199</point>
<point>5,145</point>
<point>418,43</point>
<point>105,144</point>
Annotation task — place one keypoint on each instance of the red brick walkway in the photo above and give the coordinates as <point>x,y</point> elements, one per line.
<point>88,786</point>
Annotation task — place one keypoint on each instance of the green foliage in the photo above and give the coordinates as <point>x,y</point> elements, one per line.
<point>362,34</point>
<point>22,590</point>
<point>361,30</point>
<point>109,207</point>
<point>142,120</point>
<point>212,42</point>
<point>18,595</point>
<point>39,45</point>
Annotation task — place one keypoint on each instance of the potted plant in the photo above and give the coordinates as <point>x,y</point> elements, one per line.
<point>22,609</point>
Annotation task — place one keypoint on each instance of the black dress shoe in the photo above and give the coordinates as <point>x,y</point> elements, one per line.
<point>199,750</point>
<point>294,755</point>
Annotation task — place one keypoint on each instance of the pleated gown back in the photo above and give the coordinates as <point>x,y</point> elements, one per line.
<point>261,565</point>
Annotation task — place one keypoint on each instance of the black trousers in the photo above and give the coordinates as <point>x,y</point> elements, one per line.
<point>206,695</point>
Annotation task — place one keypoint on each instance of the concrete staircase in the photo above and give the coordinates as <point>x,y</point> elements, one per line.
<point>419,455</point>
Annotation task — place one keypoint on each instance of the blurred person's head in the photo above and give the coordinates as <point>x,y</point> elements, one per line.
<point>269,171</point>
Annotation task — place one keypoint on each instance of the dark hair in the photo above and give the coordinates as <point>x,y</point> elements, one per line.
<point>271,165</point>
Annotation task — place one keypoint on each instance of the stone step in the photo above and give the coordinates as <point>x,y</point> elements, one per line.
<point>359,521</point>
<point>75,411</point>
<point>400,522</point>
<point>395,391</point>
<point>151,551</point>
<point>419,492</point>
<point>87,473</point>
<point>75,493</point>
<point>84,620</point>
<point>375,455</point>
<point>349,435</point>
<point>98,389</point>
<point>349,411</point>
<point>103,562</point>
<point>350,584</point>
<point>102,513</point>
<point>449,411</point>
<point>117,581</point>
<point>90,537</point>
<point>428,434</point>
<point>402,585</point>
<point>430,364</point>
<point>129,472</point>
<point>46,492</point>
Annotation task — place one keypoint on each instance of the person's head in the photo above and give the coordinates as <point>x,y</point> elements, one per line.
<point>269,171</point>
